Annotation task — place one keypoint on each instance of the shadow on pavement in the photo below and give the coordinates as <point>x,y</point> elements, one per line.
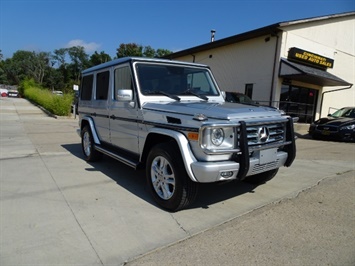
<point>134,181</point>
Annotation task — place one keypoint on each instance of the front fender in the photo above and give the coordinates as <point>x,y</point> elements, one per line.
<point>185,151</point>
<point>88,120</point>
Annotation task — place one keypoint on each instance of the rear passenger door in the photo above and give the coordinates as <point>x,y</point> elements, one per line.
<point>123,114</point>
<point>100,112</point>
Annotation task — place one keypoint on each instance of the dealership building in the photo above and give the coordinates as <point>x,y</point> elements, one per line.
<point>305,67</point>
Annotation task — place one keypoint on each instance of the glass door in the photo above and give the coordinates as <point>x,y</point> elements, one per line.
<point>299,102</point>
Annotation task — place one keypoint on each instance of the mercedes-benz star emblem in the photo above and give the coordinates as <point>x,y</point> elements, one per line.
<point>263,134</point>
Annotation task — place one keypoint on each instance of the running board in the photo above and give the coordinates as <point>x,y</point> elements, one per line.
<point>132,163</point>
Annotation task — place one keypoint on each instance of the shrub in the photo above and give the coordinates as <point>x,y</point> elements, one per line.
<point>55,104</point>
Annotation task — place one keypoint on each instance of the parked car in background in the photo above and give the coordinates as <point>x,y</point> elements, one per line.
<point>13,93</point>
<point>237,97</point>
<point>4,92</point>
<point>337,126</point>
<point>59,93</point>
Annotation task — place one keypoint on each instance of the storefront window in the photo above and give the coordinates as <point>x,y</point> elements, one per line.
<point>299,102</point>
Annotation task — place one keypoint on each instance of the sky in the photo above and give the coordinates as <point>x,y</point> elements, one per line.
<point>102,25</point>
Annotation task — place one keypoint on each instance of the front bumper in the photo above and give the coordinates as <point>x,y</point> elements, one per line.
<point>331,132</point>
<point>244,165</point>
<point>207,172</point>
<point>344,135</point>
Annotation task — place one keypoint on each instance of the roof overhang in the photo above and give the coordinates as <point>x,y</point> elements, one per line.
<point>294,71</point>
<point>271,30</point>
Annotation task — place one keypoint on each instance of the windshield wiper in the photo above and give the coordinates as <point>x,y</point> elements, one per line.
<point>172,96</point>
<point>190,92</point>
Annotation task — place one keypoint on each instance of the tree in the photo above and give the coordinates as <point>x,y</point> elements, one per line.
<point>63,67</point>
<point>58,59</point>
<point>148,51</point>
<point>38,66</point>
<point>59,56</point>
<point>133,49</point>
<point>99,58</point>
<point>162,52</point>
<point>25,64</point>
<point>129,49</point>
<point>79,61</point>
<point>3,77</point>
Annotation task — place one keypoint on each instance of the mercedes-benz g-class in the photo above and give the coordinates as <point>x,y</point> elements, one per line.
<point>171,118</point>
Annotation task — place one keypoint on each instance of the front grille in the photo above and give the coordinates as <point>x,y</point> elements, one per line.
<point>258,168</point>
<point>276,133</point>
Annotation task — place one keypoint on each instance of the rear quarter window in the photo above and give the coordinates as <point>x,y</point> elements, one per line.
<point>86,87</point>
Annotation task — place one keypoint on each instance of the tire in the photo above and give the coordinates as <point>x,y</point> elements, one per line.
<point>88,146</point>
<point>261,178</point>
<point>167,180</point>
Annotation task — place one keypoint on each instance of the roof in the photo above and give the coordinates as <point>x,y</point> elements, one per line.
<point>135,59</point>
<point>272,29</point>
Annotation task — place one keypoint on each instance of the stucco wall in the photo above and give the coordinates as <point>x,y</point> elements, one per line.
<point>334,39</point>
<point>242,63</point>
<point>252,61</point>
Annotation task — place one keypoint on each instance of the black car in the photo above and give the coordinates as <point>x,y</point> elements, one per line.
<point>236,97</point>
<point>337,126</point>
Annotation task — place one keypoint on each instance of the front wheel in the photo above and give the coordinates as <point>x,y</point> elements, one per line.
<point>167,179</point>
<point>88,146</point>
<point>261,178</point>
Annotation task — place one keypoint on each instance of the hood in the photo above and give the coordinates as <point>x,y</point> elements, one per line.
<point>335,121</point>
<point>213,110</point>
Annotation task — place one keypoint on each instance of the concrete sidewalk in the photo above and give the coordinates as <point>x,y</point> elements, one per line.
<point>57,209</point>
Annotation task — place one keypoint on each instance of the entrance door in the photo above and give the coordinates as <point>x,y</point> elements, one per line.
<point>299,102</point>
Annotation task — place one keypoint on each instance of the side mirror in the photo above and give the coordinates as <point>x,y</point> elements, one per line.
<point>223,94</point>
<point>124,95</point>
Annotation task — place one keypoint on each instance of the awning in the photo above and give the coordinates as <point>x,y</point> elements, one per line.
<point>294,71</point>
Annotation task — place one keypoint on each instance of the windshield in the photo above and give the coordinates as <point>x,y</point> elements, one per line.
<point>345,112</point>
<point>172,80</point>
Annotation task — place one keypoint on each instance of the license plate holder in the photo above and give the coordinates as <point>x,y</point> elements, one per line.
<point>267,156</point>
<point>325,132</point>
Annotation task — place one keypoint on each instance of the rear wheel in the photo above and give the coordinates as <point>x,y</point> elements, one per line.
<point>261,178</point>
<point>167,179</point>
<point>88,146</point>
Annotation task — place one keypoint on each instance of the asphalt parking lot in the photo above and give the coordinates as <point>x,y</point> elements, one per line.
<point>58,209</point>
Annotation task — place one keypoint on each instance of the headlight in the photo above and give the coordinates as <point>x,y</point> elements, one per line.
<point>348,127</point>
<point>217,138</point>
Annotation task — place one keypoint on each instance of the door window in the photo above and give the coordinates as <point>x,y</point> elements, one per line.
<point>102,85</point>
<point>123,79</point>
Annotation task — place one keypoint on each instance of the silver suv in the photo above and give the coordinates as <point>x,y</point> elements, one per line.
<point>170,118</point>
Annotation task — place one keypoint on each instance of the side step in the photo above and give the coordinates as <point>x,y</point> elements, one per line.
<point>130,162</point>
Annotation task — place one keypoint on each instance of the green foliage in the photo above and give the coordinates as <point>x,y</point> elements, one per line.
<point>133,49</point>
<point>61,68</point>
<point>99,58</point>
<point>55,104</point>
<point>129,49</point>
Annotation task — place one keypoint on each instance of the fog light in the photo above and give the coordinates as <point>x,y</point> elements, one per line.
<point>226,174</point>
